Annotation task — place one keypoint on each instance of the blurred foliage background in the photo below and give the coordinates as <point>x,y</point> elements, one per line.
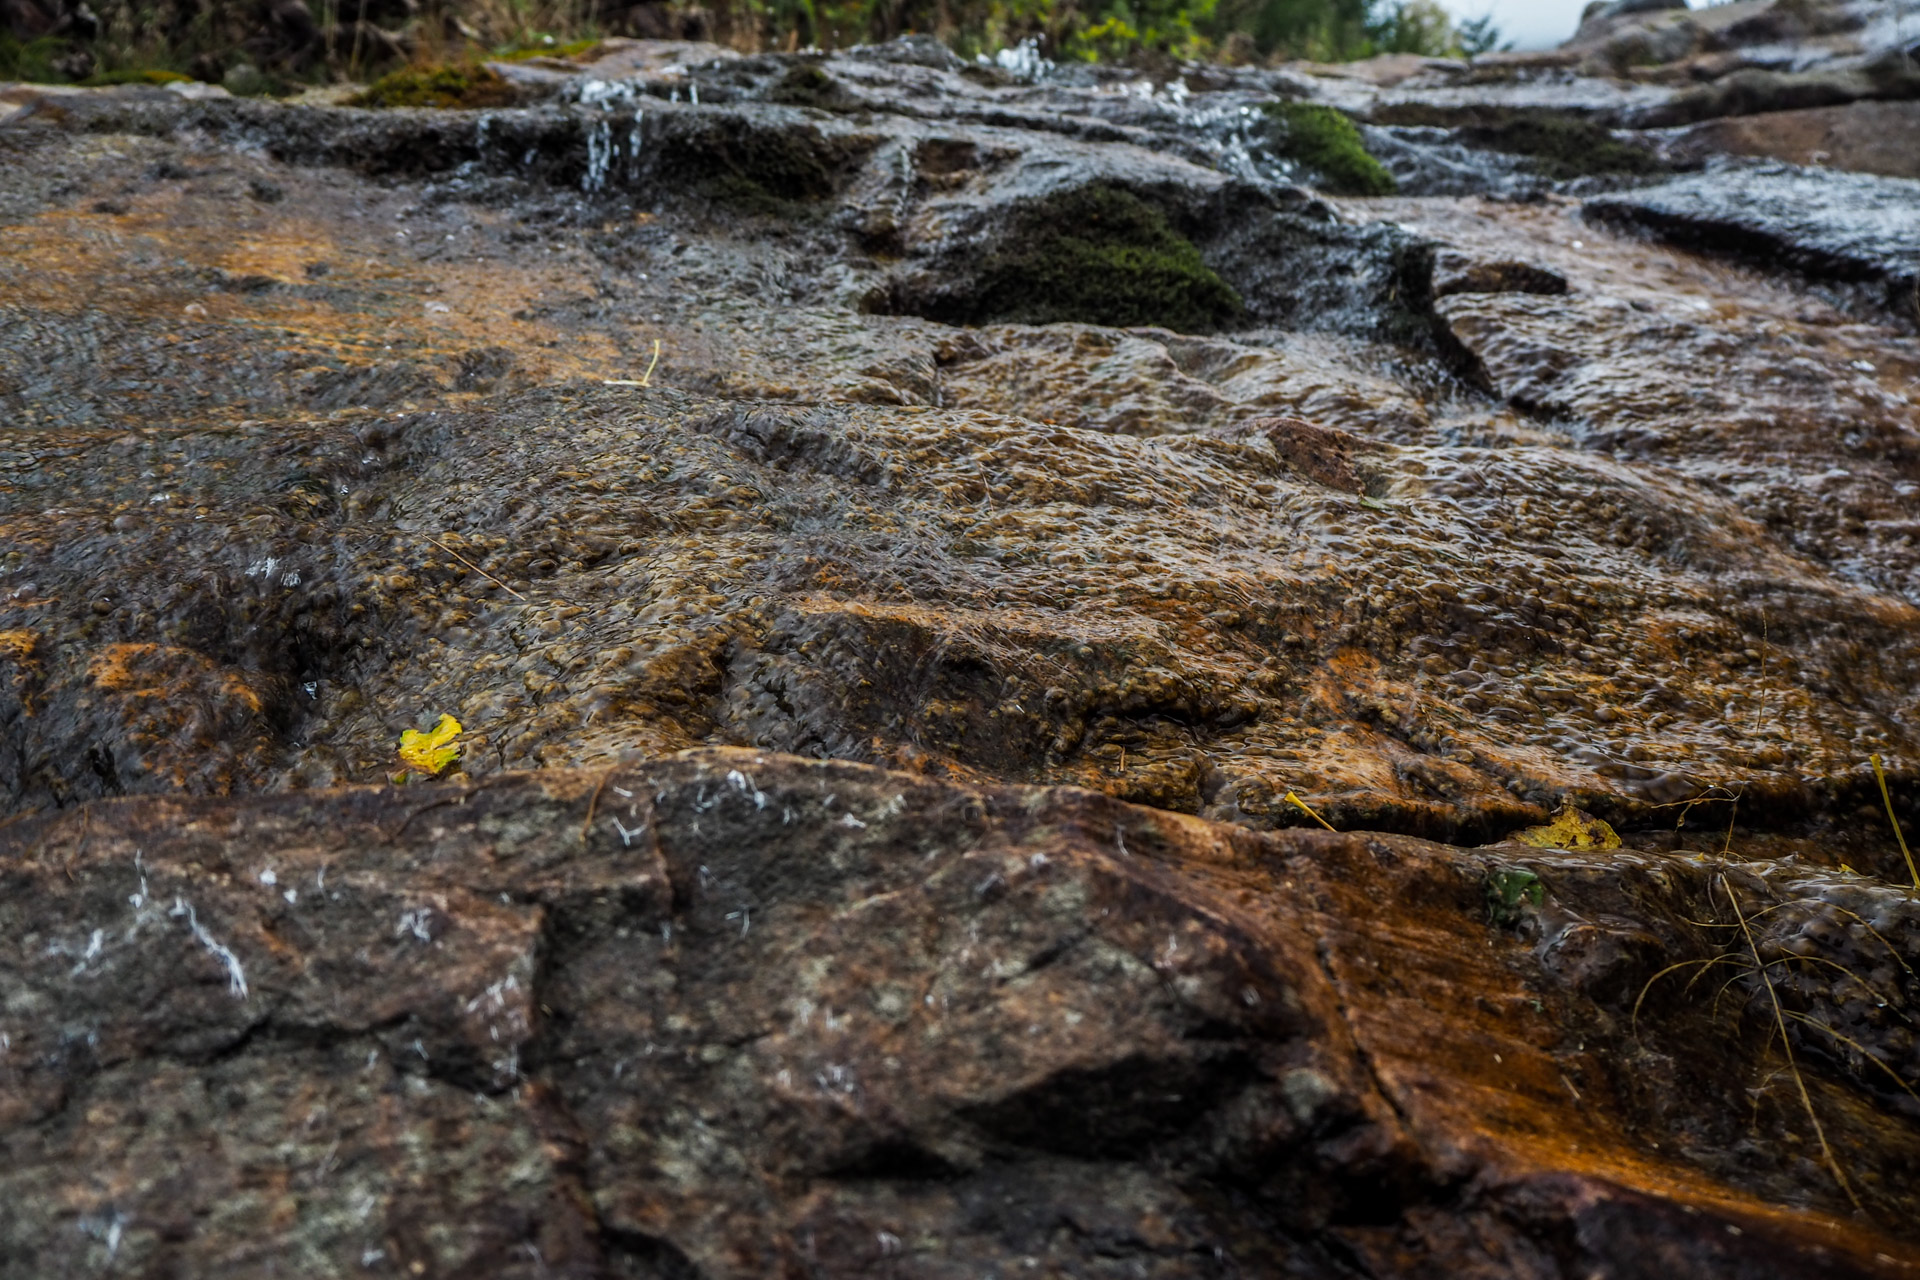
<point>270,46</point>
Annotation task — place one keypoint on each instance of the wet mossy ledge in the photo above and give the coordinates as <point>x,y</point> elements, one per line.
<point>1563,147</point>
<point>1097,255</point>
<point>1324,141</point>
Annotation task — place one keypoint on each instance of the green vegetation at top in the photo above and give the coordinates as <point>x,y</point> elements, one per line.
<point>1326,142</point>
<point>36,60</point>
<point>229,40</point>
<point>1097,30</point>
<point>1099,255</point>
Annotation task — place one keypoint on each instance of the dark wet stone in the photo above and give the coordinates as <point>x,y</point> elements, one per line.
<point>1455,272</point>
<point>1850,229</point>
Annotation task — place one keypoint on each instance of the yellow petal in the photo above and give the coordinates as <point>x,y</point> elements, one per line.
<point>431,752</point>
<point>1570,829</point>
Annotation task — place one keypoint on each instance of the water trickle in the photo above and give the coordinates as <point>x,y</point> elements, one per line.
<point>599,155</point>
<point>1023,61</point>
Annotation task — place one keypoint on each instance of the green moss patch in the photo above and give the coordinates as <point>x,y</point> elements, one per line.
<point>577,50</point>
<point>136,75</point>
<point>1562,146</point>
<point>755,167</point>
<point>1099,255</point>
<point>456,87</point>
<point>1325,141</point>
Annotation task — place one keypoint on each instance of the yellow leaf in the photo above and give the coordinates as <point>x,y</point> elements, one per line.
<point>1570,829</point>
<point>431,752</point>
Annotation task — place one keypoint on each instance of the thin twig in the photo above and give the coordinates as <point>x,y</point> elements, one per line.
<point>593,802</point>
<point>1302,805</point>
<point>644,380</point>
<point>476,568</point>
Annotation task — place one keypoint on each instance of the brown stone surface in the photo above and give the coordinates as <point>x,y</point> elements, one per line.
<point>1866,137</point>
<point>742,1015</point>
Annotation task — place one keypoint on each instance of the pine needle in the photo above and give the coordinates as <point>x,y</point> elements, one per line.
<point>1881,775</point>
<point>477,569</point>
<point>1786,1045</point>
<point>1302,805</point>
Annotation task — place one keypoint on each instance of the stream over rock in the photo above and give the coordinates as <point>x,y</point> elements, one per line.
<point>919,551</point>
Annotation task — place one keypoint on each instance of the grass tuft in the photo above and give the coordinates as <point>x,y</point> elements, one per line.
<point>1786,1041</point>
<point>1819,979</point>
<point>31,60</point>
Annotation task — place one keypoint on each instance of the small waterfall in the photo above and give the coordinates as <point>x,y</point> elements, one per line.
<point>599,155</point>
<point>1023,61</point>
<point>605,98</point>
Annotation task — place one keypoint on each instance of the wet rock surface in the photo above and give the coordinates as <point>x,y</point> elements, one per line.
<point>733,1014</point>
<point>985,431</point>
<point>1844,228</point>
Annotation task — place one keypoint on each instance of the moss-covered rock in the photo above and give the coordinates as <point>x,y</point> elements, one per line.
<point>575,50</point>
<point>441,86</point>
<point>1099,255</point>
<point>806,85</point>
<point>1325,141</point>
<point>773,170</point>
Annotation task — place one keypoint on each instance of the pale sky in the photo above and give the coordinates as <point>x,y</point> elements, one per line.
<point>1530,24</point>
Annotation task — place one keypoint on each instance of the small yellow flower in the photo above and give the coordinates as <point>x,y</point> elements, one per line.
<point>431,752</point>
